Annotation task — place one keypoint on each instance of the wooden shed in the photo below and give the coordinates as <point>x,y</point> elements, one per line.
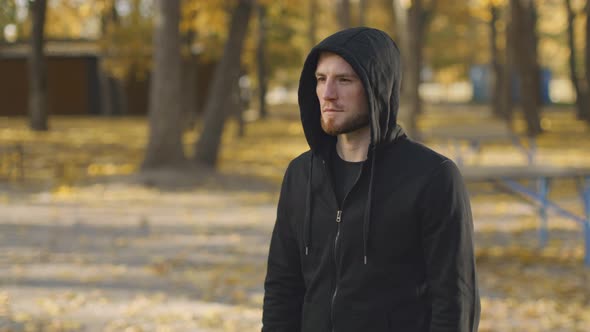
<point>72,78</point>
<point>73,85</point>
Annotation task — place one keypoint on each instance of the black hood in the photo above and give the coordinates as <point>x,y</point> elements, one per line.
<point>376,59</point>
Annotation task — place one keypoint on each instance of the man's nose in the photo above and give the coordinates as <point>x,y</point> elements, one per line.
<point>329,91</point>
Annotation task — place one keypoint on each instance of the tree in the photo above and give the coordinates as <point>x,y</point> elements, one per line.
<point>108,16</point>
<point>261,60</point>
<point>580,86</point>
<point>587,50</point>
<point>343,12</point>
<point>164,147</point>
<point>499,80</point>
<point>411,25</point>
<point>500,62</point>
<point>523,44</point>
<point>532,22</point>
<point>312,32</point>
<point>189,68</point>
<point>507,74</point>
<point>37,69</point>
<point>238,101</point>
<point>111,87</point>
<point>362,12</point>
<point>207,147</point>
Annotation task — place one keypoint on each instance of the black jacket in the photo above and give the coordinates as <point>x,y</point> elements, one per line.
<point>397,255</point>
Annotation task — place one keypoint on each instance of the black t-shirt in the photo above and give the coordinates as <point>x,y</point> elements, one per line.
<point>344,175</point>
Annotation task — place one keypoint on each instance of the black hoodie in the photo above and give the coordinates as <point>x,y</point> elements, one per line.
<point>397,254</point>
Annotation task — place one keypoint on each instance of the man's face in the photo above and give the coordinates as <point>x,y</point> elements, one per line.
<point>343,101</point>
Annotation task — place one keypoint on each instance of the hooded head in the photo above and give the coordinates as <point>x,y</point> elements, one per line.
<point>375,58</point>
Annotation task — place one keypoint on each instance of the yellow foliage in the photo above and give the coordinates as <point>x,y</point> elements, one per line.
<point>71,19</point>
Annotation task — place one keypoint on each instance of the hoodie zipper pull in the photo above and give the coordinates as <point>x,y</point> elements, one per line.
<point>339,216</point>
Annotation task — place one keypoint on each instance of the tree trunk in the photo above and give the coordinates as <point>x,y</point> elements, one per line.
<point>189,91</point>
<point>238,105</point>
<point>189,81</point>
<point>343,12</point>
<point>106,100</point>
<point>401,25</point>
<point>411,25</point>
<point>414,62</point>
<point>496,66</point>
<point>261,60</point>
<point>37,69</point>
<point>112,95</point>
<point>508,74</point>
<point>164,147</point>
<point>313,8</point>
<point>587,57</point>
<point>527,64</point>
<point>362,12</point>
<point>579,85</point>
<point>532,10</point>
<point>120,96</point>
<point>207,147</point>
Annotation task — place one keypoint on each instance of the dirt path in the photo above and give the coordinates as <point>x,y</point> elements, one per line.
<point>122,257</point>
<point>125,258</point>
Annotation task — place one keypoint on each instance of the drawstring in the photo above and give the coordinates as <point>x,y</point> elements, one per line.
<point>367,221</point>
<point>307,221</point>
<point>367,217</point>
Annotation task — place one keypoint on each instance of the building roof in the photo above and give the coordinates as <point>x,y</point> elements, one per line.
<point>59,48</point>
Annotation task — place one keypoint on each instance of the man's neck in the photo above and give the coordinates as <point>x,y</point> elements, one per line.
<point>354,146</point>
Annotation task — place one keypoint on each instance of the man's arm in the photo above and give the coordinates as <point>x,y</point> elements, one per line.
<point>447,242</point>
<point>284,287</point>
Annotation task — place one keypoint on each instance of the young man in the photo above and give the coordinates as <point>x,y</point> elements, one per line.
<point>374,231</point>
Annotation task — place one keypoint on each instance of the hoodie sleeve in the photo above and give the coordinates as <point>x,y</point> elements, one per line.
<point>447,243</point>
<point>284,287</point>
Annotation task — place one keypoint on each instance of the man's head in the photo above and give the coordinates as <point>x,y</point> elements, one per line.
<point>341,95</point>
<point>373,59</point>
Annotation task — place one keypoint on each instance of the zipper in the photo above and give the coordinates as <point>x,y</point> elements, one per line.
<point>337,237</point>
<point>338,220</point>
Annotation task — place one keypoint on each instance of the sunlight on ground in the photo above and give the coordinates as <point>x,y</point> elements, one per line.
<point>84,250</point>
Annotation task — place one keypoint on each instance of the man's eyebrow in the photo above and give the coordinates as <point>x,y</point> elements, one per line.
<point>343,75</point>
<point>346,75</point>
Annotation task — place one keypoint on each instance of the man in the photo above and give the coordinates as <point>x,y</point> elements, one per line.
<point>373,231</point>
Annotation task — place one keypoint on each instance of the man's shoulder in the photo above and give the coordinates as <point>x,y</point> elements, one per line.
<point>416,153</point>
<point>411,159</point>
<point>301,160</point>
<point>297,169</point>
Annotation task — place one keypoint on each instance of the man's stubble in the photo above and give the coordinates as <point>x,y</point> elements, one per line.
<point>355,122</point>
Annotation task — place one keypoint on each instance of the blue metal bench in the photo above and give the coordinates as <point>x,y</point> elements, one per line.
<point>508,177</point>
<point>477,136</point>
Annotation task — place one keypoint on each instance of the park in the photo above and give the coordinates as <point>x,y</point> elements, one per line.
<point>141,158</point>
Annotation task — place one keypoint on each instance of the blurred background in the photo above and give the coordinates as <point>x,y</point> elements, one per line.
<point>143,142</point>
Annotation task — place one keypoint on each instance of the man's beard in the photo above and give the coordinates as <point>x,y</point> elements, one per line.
<point>351,124</point>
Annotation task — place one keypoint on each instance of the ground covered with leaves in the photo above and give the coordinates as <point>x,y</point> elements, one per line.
<point>87,245</point>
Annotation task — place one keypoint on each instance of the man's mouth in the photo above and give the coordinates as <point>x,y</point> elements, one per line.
<point>331,110</point>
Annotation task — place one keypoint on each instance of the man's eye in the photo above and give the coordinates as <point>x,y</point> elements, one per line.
<point>320,79</point>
